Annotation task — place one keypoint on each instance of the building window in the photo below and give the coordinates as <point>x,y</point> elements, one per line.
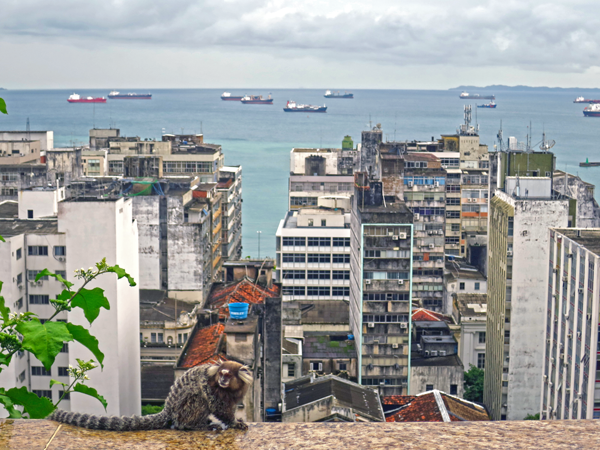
<point>19,303</point>
<point>340,291</point>
<point>63,371</point>
<point>316,366</point>
<point>340,275</point>
<point>341,242</point>
<point>318,275</point>
<point>461,286</point>
<point>310,222</point>
<point>153,337</point>
<point>455,227</point>
<point>22,376</point>
<point>340,259</point>
<point>160,337</point>
<point>342,366</point>
<point>476,286</point>
<point>39,371</point>
<point>60,250</point>
<point>20,278</point>
<point>62,395</point>
<point>481,360</point>
<point>319,291</point>
<point>293,257</point>
<point>294,290</point>
<point>294,241</point>
<point>38,250</point>
<point>39,299</point>
<point>454,389</point>
<point>19,253</point>
<point>30,213</point>
<point>429,387</point>
<point>323,222</point>
<point>294,275</point>
<point>291,370</point>
<point>319,258</point>
<point>65,348</point>
<point>482,337</point>
<point>62,273</point>
<point>31,274</point>
<point>43,393</point>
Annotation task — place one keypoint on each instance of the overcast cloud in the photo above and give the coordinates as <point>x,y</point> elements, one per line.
<point>551,38</point>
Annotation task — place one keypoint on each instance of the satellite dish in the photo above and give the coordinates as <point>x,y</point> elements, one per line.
<point>547,145</point>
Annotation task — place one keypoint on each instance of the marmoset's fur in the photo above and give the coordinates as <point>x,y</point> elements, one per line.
<point>202,392</point>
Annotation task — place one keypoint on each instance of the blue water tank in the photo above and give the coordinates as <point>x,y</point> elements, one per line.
<point>238,310</point>
<point>271,411</point>
<point>350,337</point>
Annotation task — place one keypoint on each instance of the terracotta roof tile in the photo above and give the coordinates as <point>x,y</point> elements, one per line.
<point>204,346</point>
<point>424,408</point>
<point>425,315</point>
<point>243,291</point>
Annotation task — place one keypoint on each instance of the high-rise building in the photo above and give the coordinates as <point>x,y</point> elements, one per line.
<point>569,388</point>
<point>522,208</point>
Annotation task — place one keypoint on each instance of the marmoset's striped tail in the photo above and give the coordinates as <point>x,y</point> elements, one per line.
<point>113,423</point>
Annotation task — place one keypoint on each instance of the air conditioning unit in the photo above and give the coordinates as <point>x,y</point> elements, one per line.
<point>430,232</point>
<point>554,270</point>
<point>367,281</point>
<point>371,325</point>
<point>588,316</point>
<point>565,279</point>
<point>433,352</point>
<point>32,283</point>
<point>394,238</point>
<point>61,258</point>
<point>400,282</point>
<point>417,216</point>
<point>431,245</point>
<point>39,283</point>
<point>442,352</point>
<point>441,232</point>
<point>394,345</point>
<point>569,335</point>
<point>20,285</point>
<point>437,184</point>
<point>403,325</point>
<point>580,290</point>
<point>409,184</point>
<point>562,356</point>
<point>509,253</point>
<point>402,235</point>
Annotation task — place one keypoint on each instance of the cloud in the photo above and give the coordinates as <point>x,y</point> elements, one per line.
<point>561,36</point>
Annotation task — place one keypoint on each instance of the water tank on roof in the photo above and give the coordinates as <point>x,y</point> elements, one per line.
<point>238,311</point>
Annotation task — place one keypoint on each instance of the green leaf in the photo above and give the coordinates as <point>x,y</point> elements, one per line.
<point>83,336</point>
<point>44,340</point>
<point>53,382</point>
<point>46,272</point>
<point>91,301</point>
<point>5,359</point>
<point>9,406</point>
<point>2,239</point>
<point>121,273</point>
<point>4,310</point>
<point>91,392</point>
<point>4,111</point>
<point>36,407</point>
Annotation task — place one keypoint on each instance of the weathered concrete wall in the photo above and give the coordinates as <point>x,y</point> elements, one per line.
<point>272,336</point>
<point>311,412</point>
<point>146,212</point>
<point>441,377</point>
<point>529,298</point>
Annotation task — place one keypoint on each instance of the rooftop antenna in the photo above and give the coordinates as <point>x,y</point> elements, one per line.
<point>94,116</point>
<point>546,144</point>
<point>370,123</point>
<point>500,138</point>
<point>28,130</point>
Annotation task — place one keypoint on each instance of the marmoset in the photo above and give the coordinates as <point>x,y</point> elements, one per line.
<point>202,394</point>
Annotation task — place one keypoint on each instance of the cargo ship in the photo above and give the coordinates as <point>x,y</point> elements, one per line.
<point>118,95</point>
<point>329,94</point>
<point>491,104</point>
<point>256,100</point>
<point>76,98</point>
<point>585,100</point>
<point>226,96</point>
<point>292,106</point>
<point>477,96</point>
<point>592,110</point>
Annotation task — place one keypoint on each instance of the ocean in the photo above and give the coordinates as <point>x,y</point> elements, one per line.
<point>260,137</point>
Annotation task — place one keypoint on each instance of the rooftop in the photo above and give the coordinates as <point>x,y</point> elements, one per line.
<point>504,435</point>
<point>245,291</point>
<point>436,361</point>
<point>165,309</point>
<point>15,227</point>
<point>586,237</point>
<point>460,270</point>
<point>362,400</point>
<point>433,406</point>
<point>204,346</point>
<point>324,311</point>
<point>470,305</point>
<point>321,345</point>
<point>9,209</point>
<point>425,315</point>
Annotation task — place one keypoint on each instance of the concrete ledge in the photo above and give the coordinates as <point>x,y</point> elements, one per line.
<point>566,434</point>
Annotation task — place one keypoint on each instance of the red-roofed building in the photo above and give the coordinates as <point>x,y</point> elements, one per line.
<point>206,345</point>
<point>425,315</point>
<point>245,291</point>
<point>432,406</point>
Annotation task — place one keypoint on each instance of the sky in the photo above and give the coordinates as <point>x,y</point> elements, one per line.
<point>378,44</point>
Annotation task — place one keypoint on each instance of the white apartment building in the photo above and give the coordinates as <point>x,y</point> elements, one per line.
<point>470,312</point>
<point>46,138</point>
<point>79,235</point>
<point>569,383</point>
<point>313,252</point>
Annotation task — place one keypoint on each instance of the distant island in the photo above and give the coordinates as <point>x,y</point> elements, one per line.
<point>2,89</point>
<point>502,87</point>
